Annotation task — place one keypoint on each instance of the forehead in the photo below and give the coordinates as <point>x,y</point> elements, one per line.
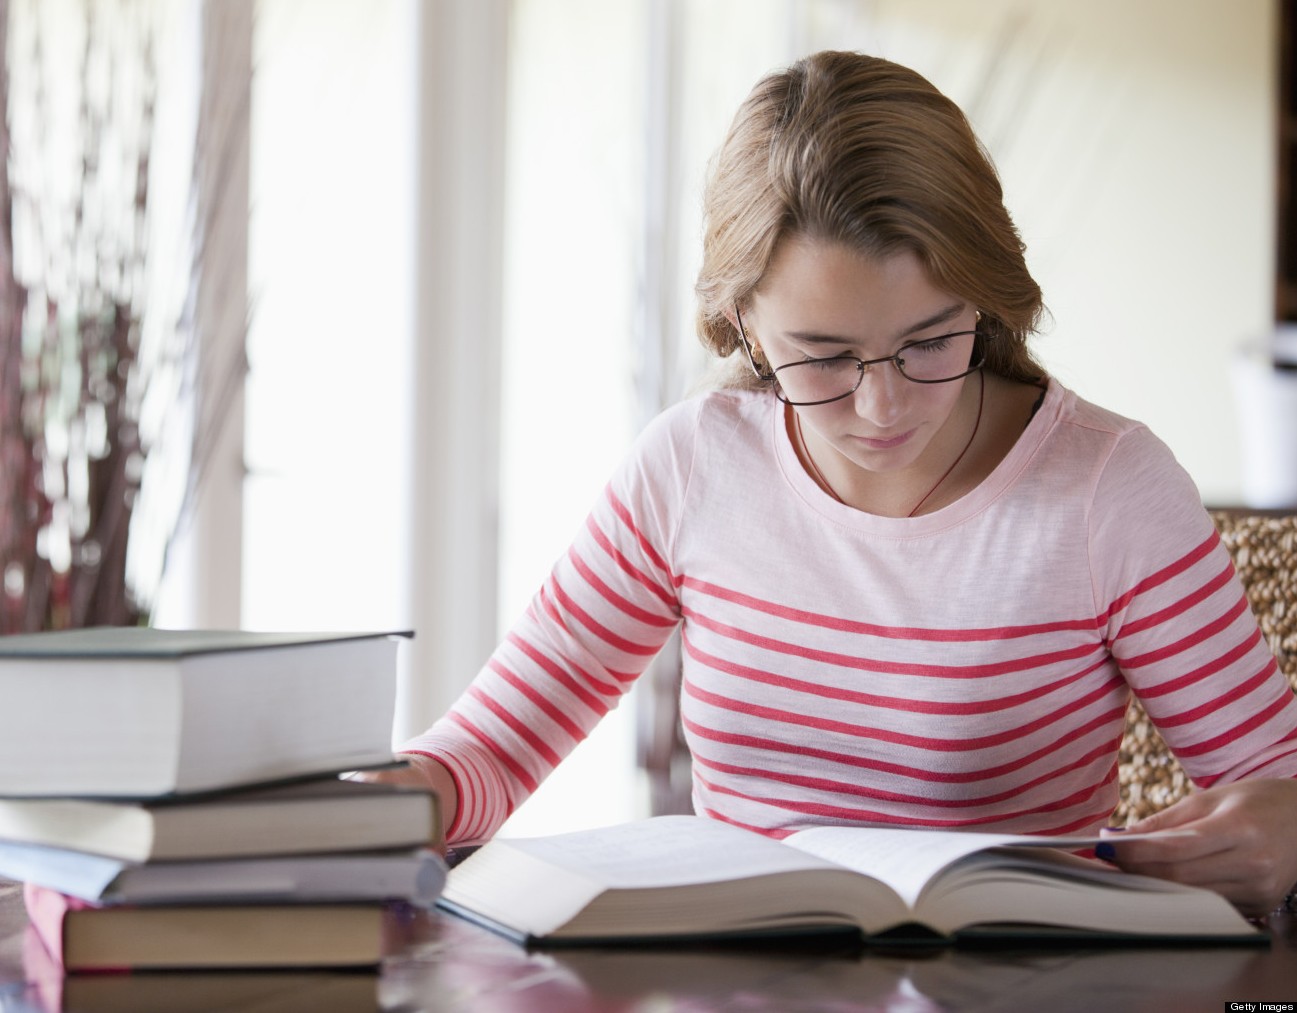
<point>825,286</point>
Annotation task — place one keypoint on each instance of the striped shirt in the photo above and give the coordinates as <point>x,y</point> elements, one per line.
<point>968,668</point>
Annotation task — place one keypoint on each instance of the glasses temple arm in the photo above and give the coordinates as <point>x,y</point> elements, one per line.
<point>747,347</point>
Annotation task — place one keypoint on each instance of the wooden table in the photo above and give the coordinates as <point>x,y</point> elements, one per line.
<point>440,963</point>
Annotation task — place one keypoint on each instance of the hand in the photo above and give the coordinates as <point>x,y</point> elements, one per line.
<point>422,772</point>
<point>1240,840</point>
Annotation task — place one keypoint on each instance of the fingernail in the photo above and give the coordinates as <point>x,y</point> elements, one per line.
<point>1104,851</point>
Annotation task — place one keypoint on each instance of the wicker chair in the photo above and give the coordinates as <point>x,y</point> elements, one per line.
<point>1264,548</point>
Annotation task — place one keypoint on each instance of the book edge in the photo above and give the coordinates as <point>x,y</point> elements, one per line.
<point>49,647</point>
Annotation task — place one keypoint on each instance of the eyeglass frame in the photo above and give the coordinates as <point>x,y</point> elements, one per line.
<point>862,365</point>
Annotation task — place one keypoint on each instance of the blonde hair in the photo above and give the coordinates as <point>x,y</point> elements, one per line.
<point>857,150</point>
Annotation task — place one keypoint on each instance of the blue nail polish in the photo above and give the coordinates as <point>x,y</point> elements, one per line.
<point>1105,851</point>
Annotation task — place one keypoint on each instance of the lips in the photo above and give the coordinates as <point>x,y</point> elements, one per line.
<point>885,443</point>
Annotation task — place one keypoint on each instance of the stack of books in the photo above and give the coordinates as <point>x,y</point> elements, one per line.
<point>172,799</point>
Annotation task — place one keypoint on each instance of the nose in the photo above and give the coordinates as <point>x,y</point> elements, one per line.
<point>880,398</point>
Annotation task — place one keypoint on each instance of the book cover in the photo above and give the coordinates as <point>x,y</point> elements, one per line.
<point>415,876</point>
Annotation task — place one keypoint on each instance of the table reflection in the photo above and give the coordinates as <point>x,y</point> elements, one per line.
<point>440,963</point>
<point>452,965</point>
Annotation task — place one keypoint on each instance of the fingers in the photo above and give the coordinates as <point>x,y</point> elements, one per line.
<point>1236,839</point>
<point>1240,874</point>
<point>421,772</point>
<point>1181,855</point>
<point>1232,860</point>
<point>1188,810</point>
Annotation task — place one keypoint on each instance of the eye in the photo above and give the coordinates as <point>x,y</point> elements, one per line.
<point>837,363</point>
<point>932,345</point>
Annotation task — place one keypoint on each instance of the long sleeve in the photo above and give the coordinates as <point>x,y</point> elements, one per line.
<point>1178,623</point>
<point>606,609</point>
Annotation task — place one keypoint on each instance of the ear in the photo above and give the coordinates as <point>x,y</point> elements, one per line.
<point>751,349</point>
<point>743,340</point>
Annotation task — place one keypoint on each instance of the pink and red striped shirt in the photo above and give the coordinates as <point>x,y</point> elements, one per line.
<point>967,669</point>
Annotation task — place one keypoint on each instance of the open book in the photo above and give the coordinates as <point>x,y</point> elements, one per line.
<point>688,877</point>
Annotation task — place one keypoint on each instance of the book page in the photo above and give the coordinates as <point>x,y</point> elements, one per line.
<point>666,851</point>
<point>536,885</point>
<point>904,859</point>
<point>908,859</point>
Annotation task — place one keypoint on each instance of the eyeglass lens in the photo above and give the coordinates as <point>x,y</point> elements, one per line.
<point>932,361</point>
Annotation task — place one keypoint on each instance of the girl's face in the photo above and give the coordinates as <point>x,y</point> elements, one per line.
<point>820,299</point>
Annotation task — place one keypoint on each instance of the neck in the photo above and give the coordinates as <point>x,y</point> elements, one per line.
<point>972,436</point>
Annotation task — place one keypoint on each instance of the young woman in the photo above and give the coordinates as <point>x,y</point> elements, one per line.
<point>917,578</point>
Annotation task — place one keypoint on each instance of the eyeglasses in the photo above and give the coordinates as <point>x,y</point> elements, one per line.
<point>819,381</point>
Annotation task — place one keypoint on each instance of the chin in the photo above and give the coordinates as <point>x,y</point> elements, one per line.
<point>881,462</point>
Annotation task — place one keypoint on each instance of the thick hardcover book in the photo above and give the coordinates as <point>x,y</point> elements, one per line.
<point>281,990</point>
<point>687,877</point>
<point>137,712</point>
<point>415,876</point>
<point>84,937</point>
<point>323,814</point>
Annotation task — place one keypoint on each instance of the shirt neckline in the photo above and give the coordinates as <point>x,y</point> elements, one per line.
<point>970,504</point>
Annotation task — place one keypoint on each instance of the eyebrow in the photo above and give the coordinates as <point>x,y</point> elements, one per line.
<point>940,317</point>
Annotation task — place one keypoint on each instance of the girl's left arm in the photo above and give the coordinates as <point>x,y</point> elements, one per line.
<point>1180,628</point>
